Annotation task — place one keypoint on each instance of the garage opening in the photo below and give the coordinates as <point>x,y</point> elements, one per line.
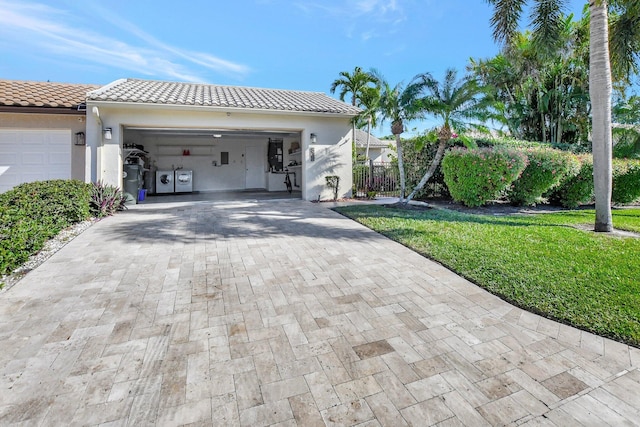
<point>177,161</point>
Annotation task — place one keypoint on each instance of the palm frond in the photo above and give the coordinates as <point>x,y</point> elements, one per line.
<point>624,40</point>
<point>548,22</point>
<point>505,19</point>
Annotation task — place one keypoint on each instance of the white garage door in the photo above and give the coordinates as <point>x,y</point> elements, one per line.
<point>33,155</point>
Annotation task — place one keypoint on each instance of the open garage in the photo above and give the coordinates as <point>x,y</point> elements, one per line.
<point>219,138</point>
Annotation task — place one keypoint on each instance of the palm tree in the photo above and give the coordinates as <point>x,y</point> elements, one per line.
<point>457,103</point>
<point>625,41</point>
<point>353,83</point>
<point>369,102</point>
<point>399,104</point>
<point>600,94</point>
<point>356,84</point>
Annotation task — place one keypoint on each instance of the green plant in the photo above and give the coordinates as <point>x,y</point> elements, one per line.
<point>333,182</point>
<point>545,170</point>
<point>106,200</point>
<point>371,194</point>
<point>627,144</point>
<point>32,213</point>
<point>626,181</point>
<point>419,151</point>
<point>476,176</point>
<point>575,190</point>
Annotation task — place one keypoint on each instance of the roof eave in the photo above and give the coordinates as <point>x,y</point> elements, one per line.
<point>126,104</point>
<point>41,110</point>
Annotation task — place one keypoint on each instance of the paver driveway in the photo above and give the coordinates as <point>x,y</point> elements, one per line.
<point>285,313</point>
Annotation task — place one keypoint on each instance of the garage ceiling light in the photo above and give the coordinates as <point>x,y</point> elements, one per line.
<point>217,135</point>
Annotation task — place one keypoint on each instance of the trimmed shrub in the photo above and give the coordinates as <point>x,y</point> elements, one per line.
<point>32,213</point>
<point>546,169</point>
<point>106,200</point>
<point>575,190</point>
<point>584,147</point>
<point>626,181</point>
<point>511,143</point>
<point>477,176</point>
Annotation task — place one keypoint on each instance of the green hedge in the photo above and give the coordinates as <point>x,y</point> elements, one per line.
<point>575,190</point>
<point>626,181</point>
<point>32,213</point>
<point>545,170</point>
<point>522,144</point>
<point>476,176</point>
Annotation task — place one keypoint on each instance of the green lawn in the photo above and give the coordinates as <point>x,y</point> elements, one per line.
<point>541,263</point>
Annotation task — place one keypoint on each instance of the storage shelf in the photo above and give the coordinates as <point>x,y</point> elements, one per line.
<point>131,151</point>
<point>293,153</point>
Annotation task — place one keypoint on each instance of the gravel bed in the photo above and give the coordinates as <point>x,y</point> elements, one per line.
<point>50,247</point>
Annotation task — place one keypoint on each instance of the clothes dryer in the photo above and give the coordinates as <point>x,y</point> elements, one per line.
<point>184,181</point>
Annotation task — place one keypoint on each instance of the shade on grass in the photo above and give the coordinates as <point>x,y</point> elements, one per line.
<point>542,263</point>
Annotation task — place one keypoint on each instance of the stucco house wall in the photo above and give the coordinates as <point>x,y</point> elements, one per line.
<point>330,155</point>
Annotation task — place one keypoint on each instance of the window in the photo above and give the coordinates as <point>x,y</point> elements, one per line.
<point>275,154</point>
<point>224,158</point>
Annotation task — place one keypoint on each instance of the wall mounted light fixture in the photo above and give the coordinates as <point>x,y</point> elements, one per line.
<point>314,138</point>
<point>80,139</point>
<point>106,132</point>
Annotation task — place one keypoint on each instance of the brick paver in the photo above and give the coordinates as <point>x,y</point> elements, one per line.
<point>285,313</point>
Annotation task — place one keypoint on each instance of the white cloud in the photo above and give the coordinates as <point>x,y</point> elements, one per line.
<point>365,17</point>
<point>41,27</point>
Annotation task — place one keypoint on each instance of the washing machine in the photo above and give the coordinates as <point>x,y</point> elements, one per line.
<point>184,181</point>
<point>164,181</point>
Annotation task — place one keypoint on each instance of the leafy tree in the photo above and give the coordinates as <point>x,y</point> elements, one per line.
<point>542,97</point>
<point>459,104</point>
<point>626,115</point>
<point>354,84</point>
<point>369,102</point>
<point>546,19</point>
<point>357,84</point>
<point>399,104</point>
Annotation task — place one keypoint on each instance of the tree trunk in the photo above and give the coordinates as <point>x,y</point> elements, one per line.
<point>600,93</point>
<point>366,154</point>
<point>400,167</point>
<point>432,169</point>
<point>397,128</point>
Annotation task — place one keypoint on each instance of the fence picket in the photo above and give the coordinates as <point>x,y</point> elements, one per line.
<point>378,178</point>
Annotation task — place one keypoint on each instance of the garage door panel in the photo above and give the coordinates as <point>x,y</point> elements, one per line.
<point>29,155</point>
<point>8,158</point>
<point>33,159</point>
<point>59,159</point>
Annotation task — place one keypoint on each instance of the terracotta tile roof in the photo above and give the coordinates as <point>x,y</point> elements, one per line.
<point>17,93</point>
<point>206,95</point>
<point>361,140</point>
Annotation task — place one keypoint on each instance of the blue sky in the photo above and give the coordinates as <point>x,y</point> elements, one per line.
<point>281,44</point>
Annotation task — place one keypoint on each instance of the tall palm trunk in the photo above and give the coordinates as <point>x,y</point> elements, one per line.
<point>437,159</point>
<point>600,93</point>
<point>366,154</point>
<point>397,128</point>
